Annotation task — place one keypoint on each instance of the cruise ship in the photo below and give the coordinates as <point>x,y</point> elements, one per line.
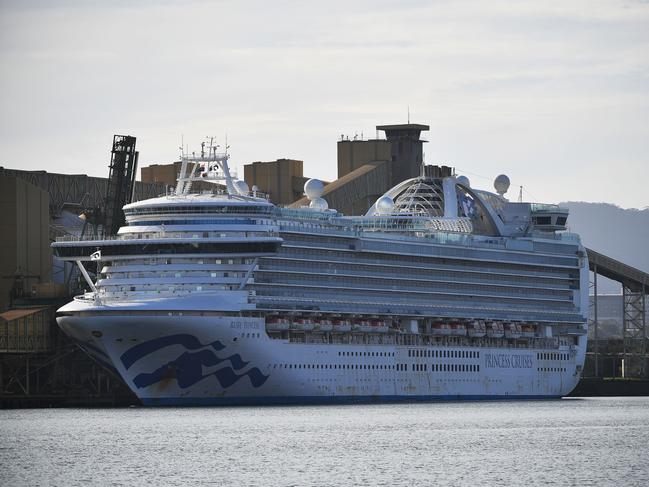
<point>441,291</point>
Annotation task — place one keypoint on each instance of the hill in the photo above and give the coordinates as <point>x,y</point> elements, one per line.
<point>622,234</point>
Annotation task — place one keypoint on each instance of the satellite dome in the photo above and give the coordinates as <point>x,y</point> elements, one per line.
<point>318,203</point>
<point>255,188</point>
<point>384,205</point>
<point>501,184</point>
<point>313,189</point>
<point>464,181</point>
<point>241,187</point>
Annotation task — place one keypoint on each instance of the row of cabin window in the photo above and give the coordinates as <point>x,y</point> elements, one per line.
<point>552,356</point>
<point>168,274</point>
<point>380,282</point>
<point>173,210</point>
<point>181,260</point>
<point>227,221</point>
<point>176,287</point>
<point>394,259</point>
<point>366,354</point>
<point>250,335</point>
<point>337,366</point>
<point>446,367</point>
<point>527,262</point>
<point>551,369</point>
<point>444,353</point>
<point>367,270</point>
<point>398,367</point>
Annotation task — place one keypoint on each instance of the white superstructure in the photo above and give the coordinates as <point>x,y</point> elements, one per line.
<point>439,291</point>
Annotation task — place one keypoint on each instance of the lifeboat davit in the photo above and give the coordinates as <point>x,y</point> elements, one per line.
<point>379,326</point>
<point>495,329</point>
<point>513,330</point>
<point>528,331</point>
<point>277,324</point>
<point>342,325</point>
<point>458,329</point>
<point>477,329</point>
<point>302,324</point>
<point>362,325</point>
<point>324,325</point>
<point>442,329</point>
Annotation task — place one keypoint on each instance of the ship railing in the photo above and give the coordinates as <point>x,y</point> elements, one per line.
<point>306,213</point>
<point>547,208</point>
<point>85,238</point>
<point>439,237</point>
<point>220,191</point>
<point>166,235</point>
<point>87,297</point>
<point>568,237</point>
<point>416,281</point>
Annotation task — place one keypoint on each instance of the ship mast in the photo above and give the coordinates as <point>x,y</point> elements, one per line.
<point>213,164</point>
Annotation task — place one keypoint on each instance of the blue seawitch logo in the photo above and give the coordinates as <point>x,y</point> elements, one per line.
<point>187,369</point>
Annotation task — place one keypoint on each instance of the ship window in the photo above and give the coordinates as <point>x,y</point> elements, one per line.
<point>561,220</point>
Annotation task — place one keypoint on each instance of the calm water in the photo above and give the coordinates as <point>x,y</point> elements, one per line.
<point>600,441</point>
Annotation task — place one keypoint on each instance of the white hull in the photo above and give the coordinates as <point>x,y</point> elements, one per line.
<point>192,360</point>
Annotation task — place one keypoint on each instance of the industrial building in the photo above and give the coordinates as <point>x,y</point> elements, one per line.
<point>25,254</point>
<point>38,364</point>
<point>282,180</point>
<point>369,168</point>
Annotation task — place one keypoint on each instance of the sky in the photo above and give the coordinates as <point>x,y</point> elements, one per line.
<point>553,94</point>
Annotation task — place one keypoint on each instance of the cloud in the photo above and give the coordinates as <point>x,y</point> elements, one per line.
<point>506,86</point>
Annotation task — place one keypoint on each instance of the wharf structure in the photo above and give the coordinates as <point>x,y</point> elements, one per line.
<point>39,365</point>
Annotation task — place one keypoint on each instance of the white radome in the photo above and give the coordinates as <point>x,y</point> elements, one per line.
<point>319,204</point>
<point>501,184</point>
<point>384,205</point>
<point>464,181</point>
<point>313,189</point>
<point>241,187</point>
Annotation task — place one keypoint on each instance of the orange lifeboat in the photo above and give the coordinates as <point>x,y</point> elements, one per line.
<point>495,329</point>
<point>442,329</point>
<point>477,329</point>
<point>276,323</point>
<point>341,325</point>
<point>324,325</point>
<point>458,329</point>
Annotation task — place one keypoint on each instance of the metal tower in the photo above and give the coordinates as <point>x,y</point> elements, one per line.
<point>121,182</point>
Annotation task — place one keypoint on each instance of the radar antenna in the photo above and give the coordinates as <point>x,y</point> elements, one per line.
<point>213,168</point>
